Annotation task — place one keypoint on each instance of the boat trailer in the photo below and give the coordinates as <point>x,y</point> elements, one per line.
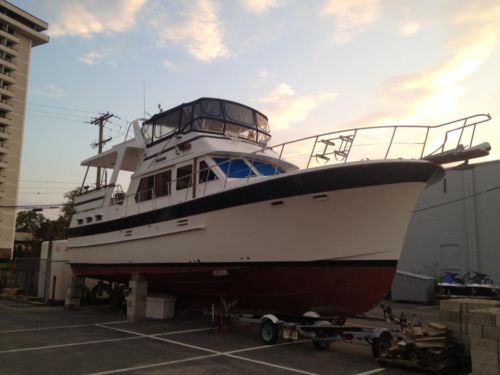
<point>322,330</point>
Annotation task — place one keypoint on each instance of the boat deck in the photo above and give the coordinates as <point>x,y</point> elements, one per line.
<point>94,340</point>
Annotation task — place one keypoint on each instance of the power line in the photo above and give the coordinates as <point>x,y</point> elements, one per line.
<point>51,181</point>
<point>63,108</point>
<point>458,199</point>
<point>52,117</point>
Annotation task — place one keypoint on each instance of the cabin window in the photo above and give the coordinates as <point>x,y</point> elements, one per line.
<point>162,184</point>
<point>208,125</point>
<point>145,189</point>
<point>235,168</point>
<point>262,123</point>
<point>147,132</point>
<point>206,174</point>
<point>167,124</point>
<point>184,177</point>
<point>238,113</point>
<point>266,169</point>
<point>211,108</point>
<point>186,115</point>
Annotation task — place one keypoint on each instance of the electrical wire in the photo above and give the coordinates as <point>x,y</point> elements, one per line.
<point>458,199</point>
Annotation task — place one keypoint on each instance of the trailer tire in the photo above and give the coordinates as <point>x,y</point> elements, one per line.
<point>269,332</point>
<point>321,345</point>
<point>381,344</point>
<point>318,343</point>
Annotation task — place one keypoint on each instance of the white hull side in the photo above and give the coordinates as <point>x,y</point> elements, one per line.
<point>367,223</point>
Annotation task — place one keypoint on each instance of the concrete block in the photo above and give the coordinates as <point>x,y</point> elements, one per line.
<point>464,317</point>
<point>478,369</point>
<point>486,345</point>
<point>466,341</point>
<point>475,330</point>
<point>476,304</point>
<point>492,333</point>
<point>450,305</point>
<point>455,328</point>
<point>484,358</point>
<point>449,316</point>
<point>484,317</point>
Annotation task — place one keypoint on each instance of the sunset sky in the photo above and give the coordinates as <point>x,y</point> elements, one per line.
<point>311,66</point>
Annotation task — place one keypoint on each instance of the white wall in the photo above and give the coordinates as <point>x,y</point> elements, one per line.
<point>449,231</point>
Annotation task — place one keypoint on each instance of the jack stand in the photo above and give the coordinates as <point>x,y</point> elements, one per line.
<point>223,319</point>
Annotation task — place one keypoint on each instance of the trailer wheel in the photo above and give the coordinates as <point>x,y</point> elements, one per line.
<point>318,343</point>
<point>381,344</point>
<point>269,332</point>
<point>321,345</point>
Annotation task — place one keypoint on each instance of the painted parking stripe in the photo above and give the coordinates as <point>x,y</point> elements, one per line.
<point>154,365</point>
<point>68,345</point>
<point>372,371</point>
<point>10,307</point>
<point>214,352</point>
<point>59,327</point>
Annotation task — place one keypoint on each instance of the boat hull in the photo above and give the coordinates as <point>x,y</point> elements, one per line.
<point>326,240</point>
<point>328,288</point>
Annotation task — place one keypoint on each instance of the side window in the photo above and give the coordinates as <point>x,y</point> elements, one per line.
<point>206,174</point>
<point>184,177</point>
<point>145,189</point>
<point>266,169</point>
<point>236,168</point>
<point>162,184</point>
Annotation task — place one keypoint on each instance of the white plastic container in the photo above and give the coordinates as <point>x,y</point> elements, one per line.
<point>160,306</point>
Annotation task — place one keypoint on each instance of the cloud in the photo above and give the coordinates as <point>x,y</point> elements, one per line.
<point>412,97</point>
<point>409,28</point>
<point>93,57</point>
<point>50,91</point>
<point>260,6</point>
<point>263,74</point>
<point>85,19</point>
<point>283,106</point>
<point>169,64</point>
<point>201,34</point>
<point>351,16</point>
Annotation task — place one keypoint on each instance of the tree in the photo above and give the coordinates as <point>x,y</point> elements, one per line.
<point>29,221</point>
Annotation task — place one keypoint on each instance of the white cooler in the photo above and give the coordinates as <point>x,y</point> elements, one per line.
<point>160,306</point>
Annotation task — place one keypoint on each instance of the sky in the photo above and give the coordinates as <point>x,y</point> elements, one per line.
<point>311,66</point>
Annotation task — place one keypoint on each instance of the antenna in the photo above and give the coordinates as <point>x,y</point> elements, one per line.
<point>144,97</point>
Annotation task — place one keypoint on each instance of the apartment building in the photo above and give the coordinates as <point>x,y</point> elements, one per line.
<point>19,32</point>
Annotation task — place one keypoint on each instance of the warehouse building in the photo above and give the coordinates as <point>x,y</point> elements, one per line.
<point>456,225</point>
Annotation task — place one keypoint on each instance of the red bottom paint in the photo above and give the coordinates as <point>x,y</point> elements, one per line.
<point>327,289</point>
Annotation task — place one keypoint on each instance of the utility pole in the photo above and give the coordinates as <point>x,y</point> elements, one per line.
<point>100,122</point>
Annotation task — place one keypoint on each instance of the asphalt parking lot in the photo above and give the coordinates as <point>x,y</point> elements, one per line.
<point>39,340</point>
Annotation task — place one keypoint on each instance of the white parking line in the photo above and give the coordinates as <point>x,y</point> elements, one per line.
<point>59,327</point>
<point>10,307</point>
<point>372,371</point>
<point>154,365</point>
<point>68,345</point>
<point>215,353</point>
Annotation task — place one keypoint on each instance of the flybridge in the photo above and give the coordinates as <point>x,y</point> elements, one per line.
<point>208,115</point>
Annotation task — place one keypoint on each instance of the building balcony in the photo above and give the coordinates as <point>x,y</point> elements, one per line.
<point>8,78</point>
<point>4,150</point>
<point>4,135</point>
<point>8,36</point>
<point>6,107</point>
<point>7,93</point>
<point>3,164</point>
<point>8,50</point>
<point>2,194</point>
<point>8,64</point>
<point>5,121</point>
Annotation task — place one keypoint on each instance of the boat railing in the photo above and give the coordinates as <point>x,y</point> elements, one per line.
<point>381,142</point>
